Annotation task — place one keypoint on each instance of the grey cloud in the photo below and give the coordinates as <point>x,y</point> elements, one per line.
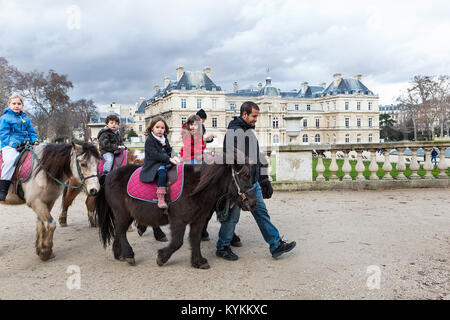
<point>123,48</point>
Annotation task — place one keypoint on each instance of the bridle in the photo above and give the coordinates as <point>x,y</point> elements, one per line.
<point>80,174</point>
<point>242,195</point>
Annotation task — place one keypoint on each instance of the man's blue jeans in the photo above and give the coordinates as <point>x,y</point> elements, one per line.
<point>268,230</point>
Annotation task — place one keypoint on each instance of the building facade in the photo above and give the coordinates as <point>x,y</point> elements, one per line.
<point>344,111</point>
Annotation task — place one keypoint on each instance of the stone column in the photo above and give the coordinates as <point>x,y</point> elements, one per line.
<point>414,165</point>
<point>360,167</point>
<point>442,166</point>
<point>320,168</point>
<point>428,165</point>
<point>346,168</point>
<point>401,164</point>
<point>387,166</point>
<point>333,166</point>
<point>373,167</point>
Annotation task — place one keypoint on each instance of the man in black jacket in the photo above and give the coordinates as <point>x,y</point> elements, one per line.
<point>239,135</point>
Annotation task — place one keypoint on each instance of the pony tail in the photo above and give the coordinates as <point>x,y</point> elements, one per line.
<point>105,217</point>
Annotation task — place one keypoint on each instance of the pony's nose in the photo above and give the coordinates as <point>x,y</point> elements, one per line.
<point>93,192</point>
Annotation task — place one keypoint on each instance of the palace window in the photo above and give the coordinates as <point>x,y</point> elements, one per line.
<point>370,106</point>
<point>334,138</point>
<point>232,106</point>
<point>370,122</point>
<point>317,123</point>
<point>347,138</point>
<point>317,138</point>
<point>183,120</point>
<point>305,123</point>
<point>275,139</point>
<point>275,122</point>
<point>183,103</point>
<point>199,103</point>
<point>140,128</point>
<point>358,138</point>
<point>346,105</point>
<point>370,137</point>
<point>214,122</point>
<point>214,103</point>
<point>358,122</point>
<point>358,106</point>
<point>347,122</point>
<point>296,107</point>
<point>308,107</point>
<point>305,138</point>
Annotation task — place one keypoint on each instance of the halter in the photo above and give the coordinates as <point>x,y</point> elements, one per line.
<point>235,175</point>
<point>80,175</point>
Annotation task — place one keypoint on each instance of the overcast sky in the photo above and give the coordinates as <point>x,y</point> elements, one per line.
<point>118,50</point>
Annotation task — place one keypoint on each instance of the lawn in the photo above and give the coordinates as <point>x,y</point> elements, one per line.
<point>353,173</point>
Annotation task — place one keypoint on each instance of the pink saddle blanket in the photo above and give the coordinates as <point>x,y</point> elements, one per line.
<point>25,167</point>
<point>147,191</point>
<point>116,164</point>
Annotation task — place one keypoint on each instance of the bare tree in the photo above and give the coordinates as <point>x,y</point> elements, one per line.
<point>83,110</point>
<point>9,76</point>
<point>48,94</point>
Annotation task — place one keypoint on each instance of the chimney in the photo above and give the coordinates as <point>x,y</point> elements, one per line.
<point>207,71</point>
<point>180,71</point>
<point>166,82</point>
<point>156,88</point>
<point>141,99</point>
<point>304,87</point>
<point>235,87</point>
<point>337,79</point>
<point>358,77</point>
<point>324,85</point>
<point>268,81</point>
<point>259,85</point>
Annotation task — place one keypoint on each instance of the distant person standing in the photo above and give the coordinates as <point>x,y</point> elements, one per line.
<point>433,156</point>
<point>202,114</point>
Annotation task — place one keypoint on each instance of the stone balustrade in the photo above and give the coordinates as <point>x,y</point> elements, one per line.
<point>294,166</point>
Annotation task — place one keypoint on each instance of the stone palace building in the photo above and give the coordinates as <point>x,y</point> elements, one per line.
<point>343,111</point>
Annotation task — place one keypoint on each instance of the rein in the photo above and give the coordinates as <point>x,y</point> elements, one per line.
<point>82,179</point>
<point>235,179</point>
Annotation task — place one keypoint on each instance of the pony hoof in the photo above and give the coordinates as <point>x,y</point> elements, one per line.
<point>159,262</point>
<point>131,261</point>
<point>45,256</point>
<point>63,224</point>
<point>121,259</point>
<point>203,266</point>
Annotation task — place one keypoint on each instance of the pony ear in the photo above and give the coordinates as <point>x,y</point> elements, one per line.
<point>78,149</point>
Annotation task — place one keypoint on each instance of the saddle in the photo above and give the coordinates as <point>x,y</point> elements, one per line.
<point>147,191</point>
<point>22,171</point>
<point>120,159</point>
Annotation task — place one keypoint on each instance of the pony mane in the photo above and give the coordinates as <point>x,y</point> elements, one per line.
<point>56,158</point>
<point>209,177</point>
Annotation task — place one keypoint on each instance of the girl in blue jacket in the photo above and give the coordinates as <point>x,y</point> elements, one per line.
<point>15,128</point>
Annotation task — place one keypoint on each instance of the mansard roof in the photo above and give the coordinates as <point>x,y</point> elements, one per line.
<point>190,80</point>
<point>141,108</point>
<point>347,86</point>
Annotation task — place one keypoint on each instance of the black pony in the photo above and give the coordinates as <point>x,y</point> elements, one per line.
<point>205,184</point>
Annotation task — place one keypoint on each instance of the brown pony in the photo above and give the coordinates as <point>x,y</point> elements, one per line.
<point>70,194</point>
<point>205,185</point>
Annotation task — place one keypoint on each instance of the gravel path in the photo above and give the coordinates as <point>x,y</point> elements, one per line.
<point>343,239</point>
